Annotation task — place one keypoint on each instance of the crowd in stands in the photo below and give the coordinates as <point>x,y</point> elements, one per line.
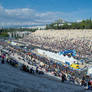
<point>49,66</point>
<point>81,45</point>
<point>56,41</point>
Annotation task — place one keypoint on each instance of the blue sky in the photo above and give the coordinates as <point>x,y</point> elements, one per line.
<point>31,12</point>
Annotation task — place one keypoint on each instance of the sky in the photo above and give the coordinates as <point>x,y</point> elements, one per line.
<point>41,12</point>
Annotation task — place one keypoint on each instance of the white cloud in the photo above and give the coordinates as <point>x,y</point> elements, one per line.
<point>27,16</point>
<point>79,21</point>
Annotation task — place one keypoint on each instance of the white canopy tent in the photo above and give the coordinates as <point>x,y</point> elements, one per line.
<point>56,56</point>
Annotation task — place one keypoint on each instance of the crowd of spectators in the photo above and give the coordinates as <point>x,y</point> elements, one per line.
<point>51,41</point>
<point>48,66</point>
<point>82,45</point>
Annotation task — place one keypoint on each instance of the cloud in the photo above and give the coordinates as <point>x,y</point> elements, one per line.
<point>27,16</point>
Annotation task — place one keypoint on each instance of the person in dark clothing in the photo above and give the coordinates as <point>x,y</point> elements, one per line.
<point>27,69</point>
<point>41,72</point>
<point>83,82</point>
<point>31,70</point>
<point>2,60</point>
<point>7,60</point>
<point>89,85</point>
<point>23,67</point>
<point>63,77</point>
<point>37,70</point>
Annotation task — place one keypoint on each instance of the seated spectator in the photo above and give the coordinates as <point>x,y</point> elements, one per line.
<point>31,70</point>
